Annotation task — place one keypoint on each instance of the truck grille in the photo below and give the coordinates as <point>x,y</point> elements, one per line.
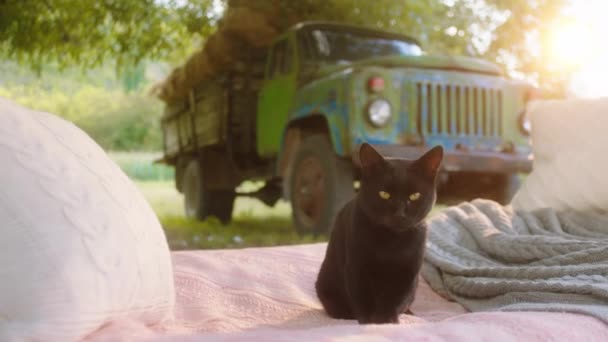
<point>458,110</point>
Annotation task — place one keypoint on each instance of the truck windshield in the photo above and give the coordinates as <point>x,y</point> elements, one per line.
<point>332,46</point>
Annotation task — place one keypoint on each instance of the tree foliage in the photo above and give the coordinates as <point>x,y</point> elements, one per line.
<point>95,101</point>
<point>115,120</point>
<point>530,21</point>
<point>88,32</point>
<point>427,20</point>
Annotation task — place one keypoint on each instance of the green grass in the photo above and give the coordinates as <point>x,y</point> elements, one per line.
<point>254,223</point>
<point>140,166</point>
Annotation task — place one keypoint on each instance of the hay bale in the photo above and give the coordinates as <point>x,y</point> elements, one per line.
<point>222,50</point>
<point>198,67</point>
<point>245,24</point>
<point>183,78</point>
<point>166,89</point>
<point>253,26</point>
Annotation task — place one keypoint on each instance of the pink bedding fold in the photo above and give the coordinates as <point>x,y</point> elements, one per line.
<point>267,294</point>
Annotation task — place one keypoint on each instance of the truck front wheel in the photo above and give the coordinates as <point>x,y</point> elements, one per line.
<point>200,202</point>
<point>505,188</point>
<point>320,183</point>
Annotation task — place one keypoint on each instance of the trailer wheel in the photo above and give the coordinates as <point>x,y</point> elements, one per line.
<point>320,183</point>
<point>200,202</point>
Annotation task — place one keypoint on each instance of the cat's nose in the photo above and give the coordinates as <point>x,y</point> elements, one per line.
<point>401,209</point>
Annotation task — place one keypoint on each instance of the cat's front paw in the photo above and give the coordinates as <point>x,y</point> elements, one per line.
<point>379,318</point>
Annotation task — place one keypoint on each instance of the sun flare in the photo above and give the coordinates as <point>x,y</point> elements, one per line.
<point>571,45</point>
<point>580,45</point>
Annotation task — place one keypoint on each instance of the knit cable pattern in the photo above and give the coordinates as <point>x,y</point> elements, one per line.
<point>489,257</point>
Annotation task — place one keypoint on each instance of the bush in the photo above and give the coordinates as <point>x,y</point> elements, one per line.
<point>117,121</point>
<point>140,166</point>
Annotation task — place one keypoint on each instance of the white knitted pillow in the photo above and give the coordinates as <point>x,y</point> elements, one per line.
<point>79,245</point>
<point>569,139</point>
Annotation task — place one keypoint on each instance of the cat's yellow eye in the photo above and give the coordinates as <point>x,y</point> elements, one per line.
<point>415,196</point>
<point>384,195</point>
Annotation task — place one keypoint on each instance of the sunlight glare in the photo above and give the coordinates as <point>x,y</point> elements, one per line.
<point>581,46</point>
<point>571,45</point>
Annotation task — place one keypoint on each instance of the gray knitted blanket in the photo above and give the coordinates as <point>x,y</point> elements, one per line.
<point>488,257</point>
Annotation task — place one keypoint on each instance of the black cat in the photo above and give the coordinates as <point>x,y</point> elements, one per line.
<point>375,251</point>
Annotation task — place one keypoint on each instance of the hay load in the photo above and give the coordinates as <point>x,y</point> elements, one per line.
<point>246,25</point>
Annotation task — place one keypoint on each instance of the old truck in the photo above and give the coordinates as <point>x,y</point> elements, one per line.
<point>296,114</point>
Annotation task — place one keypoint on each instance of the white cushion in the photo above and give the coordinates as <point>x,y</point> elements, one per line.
<point>79,245</point>
<point>569,140</point>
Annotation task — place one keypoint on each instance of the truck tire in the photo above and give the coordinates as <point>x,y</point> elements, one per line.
<point>200,202</point>
<point>320,184</point>
<point>506,187</point>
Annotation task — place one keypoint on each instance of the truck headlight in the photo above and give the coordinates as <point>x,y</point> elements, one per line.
<point>525,126</point>
<point>379,112</point>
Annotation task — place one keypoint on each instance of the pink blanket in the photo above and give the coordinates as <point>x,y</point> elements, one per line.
<point>267,294</point>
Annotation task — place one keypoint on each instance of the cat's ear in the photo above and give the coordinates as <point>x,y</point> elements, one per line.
<point>370,160</point>
<point>429,163</point>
